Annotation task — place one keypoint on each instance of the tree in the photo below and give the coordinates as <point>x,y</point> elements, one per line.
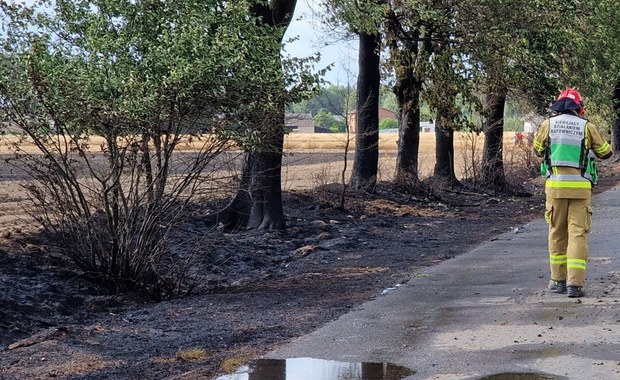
<point>326,120</point>
<point>363,18</point>
<point>493,128</point>
<point>141,76</point>
<point>409,52</point>
<point>365,166</point>
<point>258,202</point>
<point>507,46</point>
<point>427,69</point>
<point>591,62</point>
<point>447,81</point>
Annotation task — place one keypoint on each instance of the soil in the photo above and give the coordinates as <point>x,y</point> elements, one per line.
<point>262,288</point>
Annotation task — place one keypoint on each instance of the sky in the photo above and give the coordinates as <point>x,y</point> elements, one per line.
<point>312,38</point>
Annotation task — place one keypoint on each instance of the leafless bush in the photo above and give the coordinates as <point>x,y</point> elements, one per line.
<point>113,208</point>
<point>472,164</point>
<point>520,165</point>
<point>323,176</point>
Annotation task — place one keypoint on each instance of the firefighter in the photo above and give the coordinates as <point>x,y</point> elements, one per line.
<point>568,144</point>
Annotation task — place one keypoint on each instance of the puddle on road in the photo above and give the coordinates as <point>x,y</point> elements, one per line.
<point>317,369</point>
<point>520,376</point>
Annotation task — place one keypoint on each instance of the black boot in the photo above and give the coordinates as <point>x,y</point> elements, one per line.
<point>575,291</point>
<point>557,286</point>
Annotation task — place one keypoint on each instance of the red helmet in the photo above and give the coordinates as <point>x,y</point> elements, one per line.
<point>569,100</point>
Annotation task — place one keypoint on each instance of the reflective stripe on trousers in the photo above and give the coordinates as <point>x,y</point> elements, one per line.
<point>569,223</point>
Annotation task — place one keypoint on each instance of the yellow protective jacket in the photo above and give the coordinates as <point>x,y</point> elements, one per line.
<point>576,186</point>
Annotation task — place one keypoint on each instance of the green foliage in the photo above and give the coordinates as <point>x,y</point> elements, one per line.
<point>388,99</point>
<point>516,45</point>
<point>337,100</point>
<point>591,63</point>
<point>141,75</point>
<point>327,120</point>
<point>388,123</point>
<point>513,124</point>
<point>458,50</point>
<point>356,15</point>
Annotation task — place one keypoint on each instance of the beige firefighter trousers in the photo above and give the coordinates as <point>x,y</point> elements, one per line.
<point>569,222</point>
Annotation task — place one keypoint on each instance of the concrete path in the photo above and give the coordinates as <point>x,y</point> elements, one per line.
<point>488,312</point>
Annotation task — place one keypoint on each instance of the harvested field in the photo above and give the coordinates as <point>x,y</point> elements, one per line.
<point>313,160</point>
<point>322,156</point>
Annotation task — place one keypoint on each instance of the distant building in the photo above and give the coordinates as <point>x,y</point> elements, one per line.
<point>384,113</point>
<point>427,126</point>
<point>302,123</point>
<point>299,122</point>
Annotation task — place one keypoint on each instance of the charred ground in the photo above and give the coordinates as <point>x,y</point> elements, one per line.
<point>261,288</point>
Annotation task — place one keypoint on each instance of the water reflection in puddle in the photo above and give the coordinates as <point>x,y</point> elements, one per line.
<point>317,369</point>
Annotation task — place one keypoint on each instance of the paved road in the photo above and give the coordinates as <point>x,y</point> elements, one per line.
<point>488,312</point>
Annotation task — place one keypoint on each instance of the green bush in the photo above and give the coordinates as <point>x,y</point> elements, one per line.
<point>388,124</point>
<point>327,120</point>
<point>512,124</point>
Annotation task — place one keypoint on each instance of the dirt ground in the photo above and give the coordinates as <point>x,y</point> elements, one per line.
<point>261,288</point>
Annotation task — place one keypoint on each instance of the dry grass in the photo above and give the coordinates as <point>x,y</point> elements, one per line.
<point>309,174</point>
<point>95,143</point>
<point>233,363</point>
<point>190,354</point>
<point>299,142</point>
<point>467,147</point>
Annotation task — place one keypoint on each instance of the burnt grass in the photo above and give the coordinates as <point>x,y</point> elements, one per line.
<point>259,289</point>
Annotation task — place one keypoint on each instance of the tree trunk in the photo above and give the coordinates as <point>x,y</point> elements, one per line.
<point>258,202</point>
<point>493,175</point>
<point>406,56</point>
<point>365,166</point>
<point>444,152</point>
<point>408,94</point>
<point>615,128</point>
<point>266,183</point>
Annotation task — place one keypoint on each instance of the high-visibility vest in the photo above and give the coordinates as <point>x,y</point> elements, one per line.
<point>567,148</point>
<point>567,134</point>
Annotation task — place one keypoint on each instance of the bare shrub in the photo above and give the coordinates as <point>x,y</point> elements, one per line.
<point>472,164</point>
<point>113,213</point>
<point>520,165</point>
<point>323,176</point>
<point>327,188</point>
